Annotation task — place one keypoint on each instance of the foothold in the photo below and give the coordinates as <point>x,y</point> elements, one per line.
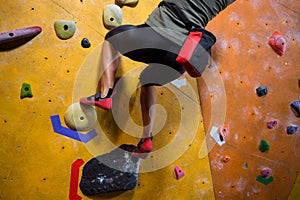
<point>73,191</point>
<point>262,91</point>
<point>26,91</point>
<point>278,43</point>
<point>127,2</point>
<point>15,38</point>
<point>179,172</point>
<point>80,117</point>
<point>58,128</point>
<point>263,180</point>
<point>110,172</point>
<point>64,29</point>
<point>266,172</point>
<point>264,146</point>
<point>295,107</point>
<point>112,16</point>
<point>291,129</point>
<point>85,43</point>
<point>226,158</point>
<point>272,124</point>
<point>224,130</point>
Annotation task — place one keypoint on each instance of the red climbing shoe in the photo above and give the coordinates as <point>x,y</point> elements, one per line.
<point>144,147</point>
<point>96,100</point>
<point>278,43</point>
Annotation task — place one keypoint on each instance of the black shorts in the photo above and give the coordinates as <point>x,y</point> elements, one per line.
<point>141,43</point>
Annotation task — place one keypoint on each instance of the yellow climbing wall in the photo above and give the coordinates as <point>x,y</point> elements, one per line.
<point>36,161</point>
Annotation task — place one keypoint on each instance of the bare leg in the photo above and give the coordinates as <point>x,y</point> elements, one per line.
<point>110,59</point>
<point>148,100</point>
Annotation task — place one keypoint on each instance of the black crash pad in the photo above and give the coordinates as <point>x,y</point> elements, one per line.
<point>111,172</point>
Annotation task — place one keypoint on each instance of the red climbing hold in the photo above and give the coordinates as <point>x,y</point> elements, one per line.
<point>226,158</point>
<point>179,172</point>
<point>278,43</point>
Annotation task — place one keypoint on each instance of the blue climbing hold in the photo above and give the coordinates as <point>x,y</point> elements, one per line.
<point>262,91</point>
<point>291,129</point>
<point>295,107</point>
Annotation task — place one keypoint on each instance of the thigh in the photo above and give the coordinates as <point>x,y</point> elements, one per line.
<point>141,43</point>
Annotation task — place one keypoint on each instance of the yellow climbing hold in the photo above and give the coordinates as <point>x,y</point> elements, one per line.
<point>80,117</point>
<point>127,2</point>
<point>112,16</point>
<point>64,29</point>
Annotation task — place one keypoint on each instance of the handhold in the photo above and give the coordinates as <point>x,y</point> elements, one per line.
<point>112,16</point>
<point>26,91</point>
<point>15,38</point>
<point>278,43</point>
<point>224,130</point>
<point>64,29</point>
<point>266,172</point>
<point>111,172</point>
<point>295,106</point>
<point>58,128</point>
<point>127,2</point>
<point>264,146</point>
<point>226,158</point>
<point>272,124</point>
<point>80,117</point>
<point>179,172</point>
<point>291,129</point>
<point>85,43</point>
<point>262,91</point>
<point>263,180</point>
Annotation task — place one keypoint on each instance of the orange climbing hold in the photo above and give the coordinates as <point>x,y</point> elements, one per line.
<point>278,43</point>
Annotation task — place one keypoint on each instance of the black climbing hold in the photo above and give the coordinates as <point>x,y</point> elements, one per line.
<point>291,129</point>
<point>262,91</point>
<point>26,91</point>
<point>295,106</point>
<point>111,172</point>
<point>85,43</point>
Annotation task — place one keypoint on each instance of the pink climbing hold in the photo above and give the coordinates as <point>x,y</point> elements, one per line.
<point>224,130</point>
<point>278,43</point>
<point>272,124</point>
<point>266,172</point>
<point>179,172</point>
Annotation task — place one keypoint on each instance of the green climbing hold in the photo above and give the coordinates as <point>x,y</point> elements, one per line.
<point>64,29</point>
<point>26,91</point>
<point>263,180</point>
<point>264,146</point>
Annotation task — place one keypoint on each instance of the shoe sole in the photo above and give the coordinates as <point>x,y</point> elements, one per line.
<point>104,104</point>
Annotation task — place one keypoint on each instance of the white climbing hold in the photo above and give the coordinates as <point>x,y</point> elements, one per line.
<point>112,16</point>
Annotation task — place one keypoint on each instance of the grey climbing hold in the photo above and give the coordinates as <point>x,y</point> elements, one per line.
<point>262,91</point>
<point>85,43</point>
<point>112,16</point>
<point>295,107</point>
<point>64,29</point>
<point>291,129</point>
<point>114,171</point>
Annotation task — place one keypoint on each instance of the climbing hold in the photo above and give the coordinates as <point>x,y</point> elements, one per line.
<point>224,130</point>
<point>226,158</point>
<point>80,117</point>
<point>26,91</point>
<point>127,2</point>
<point>278,43</point>
<point>264,146</point>
<point>263,180</point>
<point>112,16</point>
<point>179,172</point>
<point>299,83</point>
<point>110,172</point>
<point>272,124</point>
<point>295,106</point>
<point>291,129</point>
<point>15,38</point>
<point>85,43</point>
<point>266,172</point>
<point>64,29</point>
<point>262,91</point>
